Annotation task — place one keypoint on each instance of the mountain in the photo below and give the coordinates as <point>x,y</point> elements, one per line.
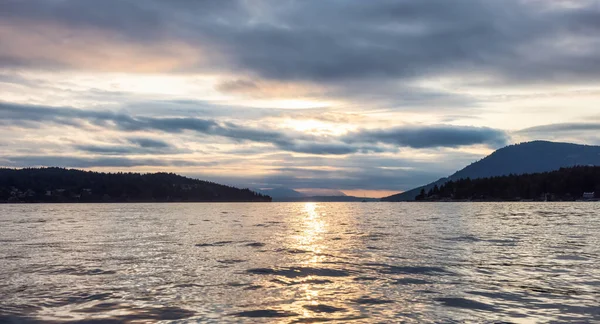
<point>529,157</point>
<point>325,199</point>
<point>280,192</point>
<point>564,184</point>
<point>63,185</point>
<point>322,192</point>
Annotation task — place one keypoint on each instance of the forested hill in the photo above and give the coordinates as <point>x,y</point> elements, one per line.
<point>529,157</point>
<point>63,185</point>
<point>566,184</point>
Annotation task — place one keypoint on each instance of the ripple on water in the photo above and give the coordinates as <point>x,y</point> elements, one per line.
<point>74,271</point>
<point>255,244</point>
<point>231,261</point>
<point>293,251</point>
<point>137,263</point>
<point>321,308</point>
<point>570,257</point>
<point>289,282</point>
<point>295,272</point>
<point>219,243</point>
<point>422,270</point>
<point>372,301</point>
<point>265,313</point>
<point>410,281</point>
<point>459,302</point>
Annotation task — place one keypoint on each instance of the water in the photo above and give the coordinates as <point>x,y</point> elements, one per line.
<point>300,262</point>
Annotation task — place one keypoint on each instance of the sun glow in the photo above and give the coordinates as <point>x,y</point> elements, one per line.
<point>291,103</point>
<point>315,126</point>
<point>312,229</point>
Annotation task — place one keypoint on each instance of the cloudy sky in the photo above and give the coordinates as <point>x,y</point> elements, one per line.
<point>370,97</point>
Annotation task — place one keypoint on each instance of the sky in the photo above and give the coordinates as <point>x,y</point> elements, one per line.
<point>366,97</point>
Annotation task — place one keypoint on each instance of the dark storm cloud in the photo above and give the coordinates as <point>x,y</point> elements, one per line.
<point>504,40</point>
<point>433,136</point>
<point>355,142</point>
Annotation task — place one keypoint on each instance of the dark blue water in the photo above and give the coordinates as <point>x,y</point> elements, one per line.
<point>300,262</point>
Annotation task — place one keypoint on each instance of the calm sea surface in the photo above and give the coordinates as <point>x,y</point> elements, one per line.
<point>300,262</point>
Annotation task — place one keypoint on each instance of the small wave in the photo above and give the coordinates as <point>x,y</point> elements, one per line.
<point>100,308</point>
<point>293,251</point>
<point>323,308</point>
<point>465,303</point>
<point>411,281</point>
<point>231,261</point>
<point>188,285</point>
<point>325,319</point>
<point>77,271</point>
<point>129,313</point>
<point>300,282</point>
<point>253,287</point>
<point>464,238</point>
<point>372,301</point>
<point>256,244</point>
<point>295,272</point>
<point>237,284</point>
<point>219,243</point>
<point>570,257</point>
<point>265,313</point>
<point>425,270</point>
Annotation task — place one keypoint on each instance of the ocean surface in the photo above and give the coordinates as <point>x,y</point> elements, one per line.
<point>300,262</point>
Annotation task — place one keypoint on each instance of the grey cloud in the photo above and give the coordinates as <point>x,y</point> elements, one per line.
<point>561,127</point>
<point>89,162</point>
<point>367,177</point>
<point>142,145</point>
<point>128,150</point>
<point>575,132</point>
<point>106,149</point>
<point>149,142</point>
<point>330,148</point>
<point>338,40</point>
<point>356,172</point>
<point>433,136</point>
<point>238,86</point>
<point>506,40</point>
<point>412,136</point>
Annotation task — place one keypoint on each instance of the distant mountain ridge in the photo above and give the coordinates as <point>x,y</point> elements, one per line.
<point>283,194</point>
<point>324,199</point>
<point>70,185</point>
<point>280,192</point>
<point>528,157</point>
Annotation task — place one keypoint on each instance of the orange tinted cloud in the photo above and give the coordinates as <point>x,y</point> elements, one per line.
<point>48,44</point>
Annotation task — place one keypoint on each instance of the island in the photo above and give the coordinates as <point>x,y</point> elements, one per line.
<point>59,185</point>
<point>566,184</point>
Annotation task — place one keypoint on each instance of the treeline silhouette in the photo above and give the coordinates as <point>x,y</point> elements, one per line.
<point>522,158</point>
<point>563,184</point>
<point>69,185</point>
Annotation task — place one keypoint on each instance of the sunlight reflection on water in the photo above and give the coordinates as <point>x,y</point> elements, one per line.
<point>300,262</point>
